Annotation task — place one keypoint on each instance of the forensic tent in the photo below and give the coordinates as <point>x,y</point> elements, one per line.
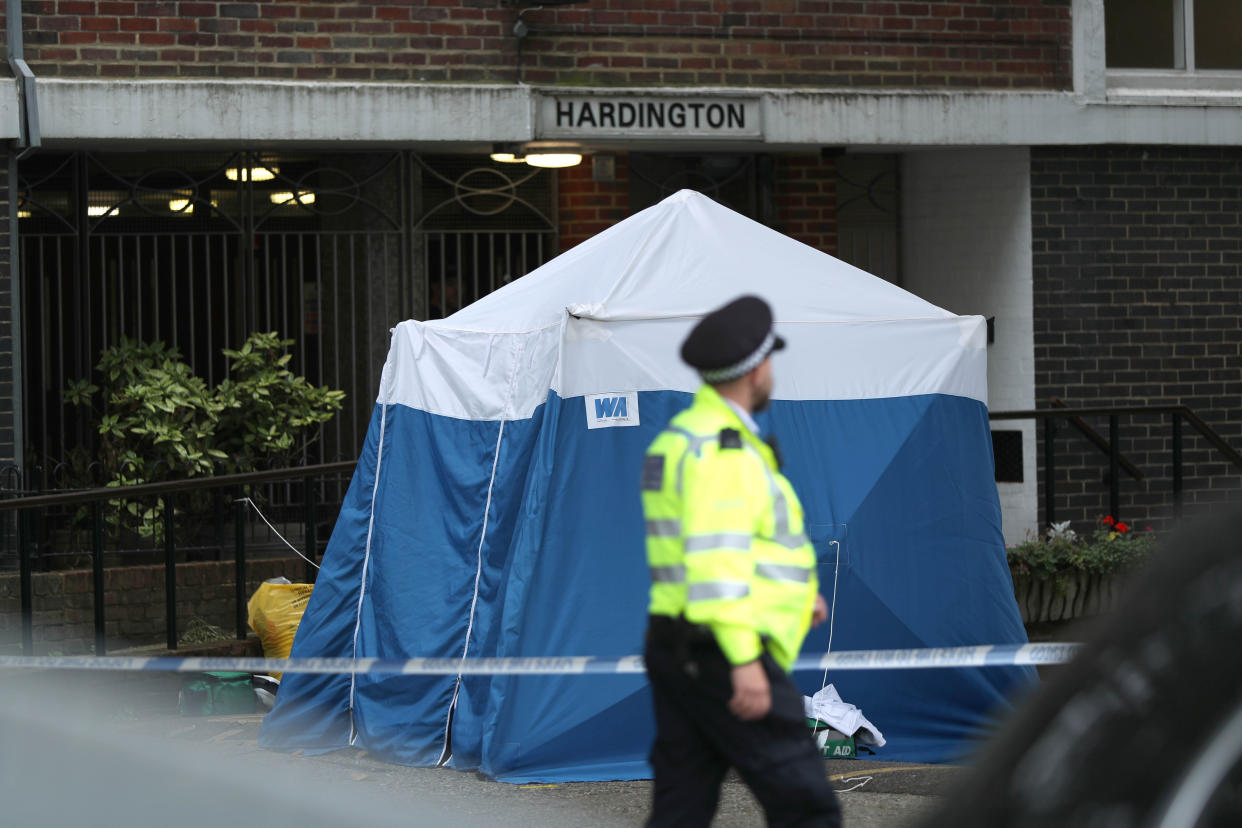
<point>495,508</point>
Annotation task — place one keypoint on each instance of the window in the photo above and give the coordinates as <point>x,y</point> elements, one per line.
<point>1186,36</point>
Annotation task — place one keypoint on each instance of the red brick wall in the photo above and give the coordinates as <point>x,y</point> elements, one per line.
<point>806,199</point>
<point>64,607</point>
<point>805,187</point>
<point>972,43</point>
<point>587,207</point>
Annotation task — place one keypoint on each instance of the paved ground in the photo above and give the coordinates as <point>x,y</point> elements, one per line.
<point>78,747</point>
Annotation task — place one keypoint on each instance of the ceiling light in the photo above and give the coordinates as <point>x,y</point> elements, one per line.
<point>289,198</point>
<point>251,174</point>
<point>507,158</point>
<point>554,160</point>
<point>23,214</point>
<point>98,210</point>
<point>183,205</point>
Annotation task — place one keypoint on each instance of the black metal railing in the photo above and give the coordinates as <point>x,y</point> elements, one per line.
<point>1112,446</point>
<point>95,500</point>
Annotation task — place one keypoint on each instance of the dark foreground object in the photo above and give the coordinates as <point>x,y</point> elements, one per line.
<point>1144,727</point>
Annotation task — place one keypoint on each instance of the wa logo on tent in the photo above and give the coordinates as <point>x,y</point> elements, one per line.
<point>612,410</point>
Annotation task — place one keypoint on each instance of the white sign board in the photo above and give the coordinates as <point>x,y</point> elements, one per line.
<point>648,116</point>
<point>612,410</point>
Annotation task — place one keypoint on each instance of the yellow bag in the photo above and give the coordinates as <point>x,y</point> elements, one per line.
<point>275,611</point>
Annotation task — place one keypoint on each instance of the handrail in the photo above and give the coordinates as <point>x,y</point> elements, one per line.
<point>1112,445</point>
<point>1041,413</point>
<point>1212,437</point>
<point>1203,428</point>
<point>1098,440</point>
<point>172,486</point>
<point>166,490</point>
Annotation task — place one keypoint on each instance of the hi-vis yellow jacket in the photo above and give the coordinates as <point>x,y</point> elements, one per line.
<point>726,542</point>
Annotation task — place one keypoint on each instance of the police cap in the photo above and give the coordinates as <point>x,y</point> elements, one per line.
<point>732,340</point>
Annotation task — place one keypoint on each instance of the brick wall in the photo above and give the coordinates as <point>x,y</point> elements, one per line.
<point>8,450</point>
<point>805,195</point>
<point>585,206</point>
<point>975,43</point>
<point>806,199</point>
<point>1138,300</point>
<point>64,609</point>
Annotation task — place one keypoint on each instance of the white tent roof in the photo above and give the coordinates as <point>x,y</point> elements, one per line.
<point>610,314</point>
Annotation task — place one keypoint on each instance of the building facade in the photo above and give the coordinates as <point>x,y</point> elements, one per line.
<point>1070,169</point>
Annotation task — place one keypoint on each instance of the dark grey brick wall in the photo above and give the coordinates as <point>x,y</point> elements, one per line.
<point>1138,301</point>
<point>7,449</point>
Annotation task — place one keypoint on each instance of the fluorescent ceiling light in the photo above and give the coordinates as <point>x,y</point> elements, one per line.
<point>98,210</point>
<point>288,198</point>
<point>183,205</point>
<point>23,214</point>
<point>554,160</point>
<point>507,158</point>
<point>251,174</point>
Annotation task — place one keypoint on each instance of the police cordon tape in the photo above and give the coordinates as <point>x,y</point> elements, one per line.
<point>993,655</point>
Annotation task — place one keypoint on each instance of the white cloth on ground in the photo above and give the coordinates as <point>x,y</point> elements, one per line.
<point>827,706</point>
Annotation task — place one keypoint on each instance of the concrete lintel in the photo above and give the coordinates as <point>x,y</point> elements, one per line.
<point>280,111</point>
<point>852,118</point>
<point>290,112</point>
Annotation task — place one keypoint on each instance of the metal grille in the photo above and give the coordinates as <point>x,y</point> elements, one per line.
<point>199,250</point>
<point>741,182</point>
<point>481,226</point>
<point>869,214</point>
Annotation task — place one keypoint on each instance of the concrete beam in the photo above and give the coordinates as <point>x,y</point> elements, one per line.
<point>996,119</point>
<point>290,113</point>
<point>280,112</point>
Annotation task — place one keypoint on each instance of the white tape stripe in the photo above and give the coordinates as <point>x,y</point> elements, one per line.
<point>999,655</point>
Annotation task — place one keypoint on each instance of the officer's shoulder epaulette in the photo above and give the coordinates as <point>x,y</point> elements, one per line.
<point>730,438</point>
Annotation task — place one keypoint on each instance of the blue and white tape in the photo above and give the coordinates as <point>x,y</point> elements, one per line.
<point>994,655</point>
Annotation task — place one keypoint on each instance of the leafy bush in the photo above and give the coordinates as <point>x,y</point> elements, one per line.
<point>265,408</point>
<point>157,418</point>
<point>158,421</point>
<point>1111,547</point>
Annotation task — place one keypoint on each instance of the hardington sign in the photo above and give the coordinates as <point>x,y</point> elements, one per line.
<point>647,116</point>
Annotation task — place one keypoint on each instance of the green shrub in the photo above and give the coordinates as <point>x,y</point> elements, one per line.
<point>266,411</point>
<point>1111,547</point>
<point>158,421</point>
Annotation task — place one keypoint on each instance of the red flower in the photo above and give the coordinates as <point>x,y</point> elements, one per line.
<point>1121,527</point>
<point>1108,520</point>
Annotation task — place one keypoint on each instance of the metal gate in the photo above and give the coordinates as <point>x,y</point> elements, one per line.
<point>198,250</point>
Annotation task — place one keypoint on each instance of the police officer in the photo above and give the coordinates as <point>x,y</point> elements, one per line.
<point>734,591</point>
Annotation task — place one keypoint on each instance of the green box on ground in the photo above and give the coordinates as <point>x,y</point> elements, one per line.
<point>216,694</point>
<point>833,744</point>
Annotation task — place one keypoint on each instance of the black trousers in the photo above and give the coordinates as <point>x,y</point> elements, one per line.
<point>698,738</point>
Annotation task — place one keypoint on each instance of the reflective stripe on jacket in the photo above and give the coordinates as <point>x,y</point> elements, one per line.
<point>726,542</point>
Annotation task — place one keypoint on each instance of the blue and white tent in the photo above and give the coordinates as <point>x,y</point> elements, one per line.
<point>495,508</point>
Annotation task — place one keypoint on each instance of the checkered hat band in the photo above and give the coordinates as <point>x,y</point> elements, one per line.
<point>732,372</point>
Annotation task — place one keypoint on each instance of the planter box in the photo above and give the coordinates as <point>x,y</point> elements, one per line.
<point>1074,595</point>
